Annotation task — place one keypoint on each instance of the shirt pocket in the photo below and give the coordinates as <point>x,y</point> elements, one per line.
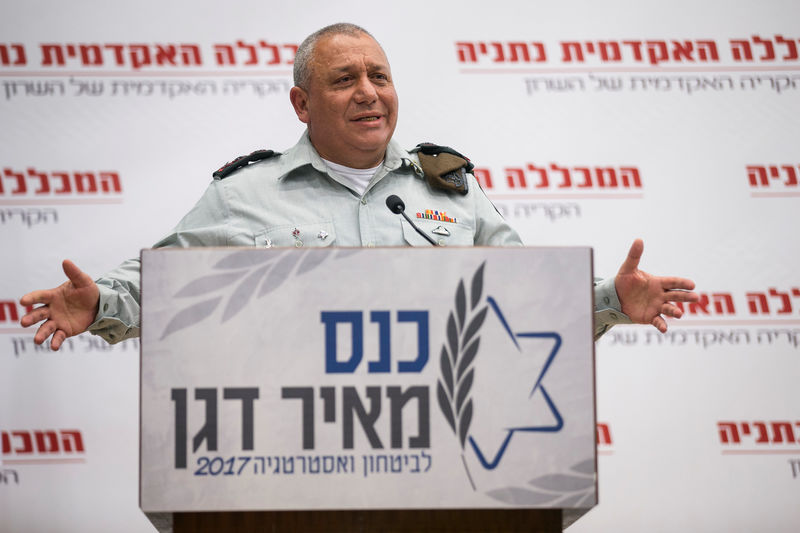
<point>442,233</point>
<point>314,234</point>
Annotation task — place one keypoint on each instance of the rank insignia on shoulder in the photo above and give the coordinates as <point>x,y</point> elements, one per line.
<point>242,161</point>
<point>444,168</point>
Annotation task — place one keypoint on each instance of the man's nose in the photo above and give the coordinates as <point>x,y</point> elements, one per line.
<point>365,91</point>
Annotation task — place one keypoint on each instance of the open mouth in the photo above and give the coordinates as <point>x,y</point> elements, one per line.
<point>367,119</point>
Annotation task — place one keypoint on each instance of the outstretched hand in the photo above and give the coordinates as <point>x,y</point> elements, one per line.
<point>67,309</point>
<point>647,299</point>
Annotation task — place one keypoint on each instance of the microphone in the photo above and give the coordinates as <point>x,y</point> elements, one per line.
<point>396,206</point>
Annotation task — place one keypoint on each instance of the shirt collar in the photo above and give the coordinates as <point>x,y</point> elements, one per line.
<point>303,153</point>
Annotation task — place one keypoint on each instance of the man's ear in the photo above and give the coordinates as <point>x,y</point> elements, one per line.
<point>299,99</point>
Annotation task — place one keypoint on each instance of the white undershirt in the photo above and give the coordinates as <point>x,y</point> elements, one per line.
<point>357,177</point>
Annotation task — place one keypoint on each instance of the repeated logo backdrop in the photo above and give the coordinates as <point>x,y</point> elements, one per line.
<point>589,124</point>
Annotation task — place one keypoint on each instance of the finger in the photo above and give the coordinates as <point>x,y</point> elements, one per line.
<point>58,338</point>
<point>44,331</point>
<point>681,296</point>
<point>634,254</point>
<point>671,310</point>
<point>37,315</point>
<point>78,277</point>
<point>660,324</point>
<point>44,296</point>
<point>673,282</point>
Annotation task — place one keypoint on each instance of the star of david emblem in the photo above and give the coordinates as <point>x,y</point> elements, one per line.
<point>540,349</point>
<point>507,410</point>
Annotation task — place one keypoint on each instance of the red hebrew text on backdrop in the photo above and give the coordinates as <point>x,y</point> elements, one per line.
<point>638,51</point>
<point>500,52</point>
<point>772,302</point>
<point>604,435</point>
<point>260,53</point>
<point>717,303</point>
<point>564,177</point>
<point>652,52</point>
<point>12,55</point>
<point>554,177</point>
<point>36,183</point>
<point>119,54</point>
<point>484,177</point>
<point>764,49</point>
<point>11,311</point>
<point>786,433</point>
<point>150,55</point>
<point>24,443</point>
<point>774,176</point>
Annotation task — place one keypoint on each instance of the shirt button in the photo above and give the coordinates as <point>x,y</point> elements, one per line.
<point>606,300</point>
<point>440,242</point>
<point>363,201</point>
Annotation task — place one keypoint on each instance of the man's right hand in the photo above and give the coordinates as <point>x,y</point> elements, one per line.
<point>67,309</point>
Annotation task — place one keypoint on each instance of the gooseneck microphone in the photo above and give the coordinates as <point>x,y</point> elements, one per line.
<point>396,206</point>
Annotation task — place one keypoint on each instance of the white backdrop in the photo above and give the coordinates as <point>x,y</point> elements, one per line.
<point>700,427</point>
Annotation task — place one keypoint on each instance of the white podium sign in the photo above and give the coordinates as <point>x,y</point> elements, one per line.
<point>394,378</point>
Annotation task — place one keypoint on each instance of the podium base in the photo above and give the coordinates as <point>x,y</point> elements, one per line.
<point>393,521</point>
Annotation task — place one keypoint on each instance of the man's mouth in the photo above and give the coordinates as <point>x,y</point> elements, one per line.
<point>367,119</point>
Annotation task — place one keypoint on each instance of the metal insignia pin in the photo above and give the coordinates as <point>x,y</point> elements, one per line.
<point>268,243</point>
<point>297,241</point>
<point>322,235</point>
<point>441,230</point>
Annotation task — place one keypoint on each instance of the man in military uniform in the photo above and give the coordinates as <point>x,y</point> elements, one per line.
<point>330,189</point>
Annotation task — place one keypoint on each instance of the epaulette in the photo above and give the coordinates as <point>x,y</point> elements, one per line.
<point>444,168</point>
<point>242,161</point>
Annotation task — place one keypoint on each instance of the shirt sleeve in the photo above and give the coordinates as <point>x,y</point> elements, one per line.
<point>607,309</point>
<point>118,315</point>
<point>491,229</point>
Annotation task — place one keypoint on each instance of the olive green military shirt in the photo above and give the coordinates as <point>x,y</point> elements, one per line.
<point>292,200</point>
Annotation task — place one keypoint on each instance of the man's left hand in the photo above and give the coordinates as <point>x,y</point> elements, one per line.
<point>647,299</point>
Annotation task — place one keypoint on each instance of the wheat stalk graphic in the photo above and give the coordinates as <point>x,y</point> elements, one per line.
<point>457,358</point>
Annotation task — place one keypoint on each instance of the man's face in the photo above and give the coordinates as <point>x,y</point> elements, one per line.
<point>350,105</point>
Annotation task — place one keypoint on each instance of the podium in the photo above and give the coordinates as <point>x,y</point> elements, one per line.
<point>352,389</point>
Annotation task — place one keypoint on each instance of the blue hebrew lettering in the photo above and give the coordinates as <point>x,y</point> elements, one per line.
<point>423,346</point>
<point>383,364</point>
<point>331,319</point>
